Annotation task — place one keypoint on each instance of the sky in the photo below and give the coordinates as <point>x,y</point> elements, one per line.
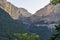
<point>31,5</point>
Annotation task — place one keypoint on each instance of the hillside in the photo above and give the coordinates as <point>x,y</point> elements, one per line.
<point>8,26</point>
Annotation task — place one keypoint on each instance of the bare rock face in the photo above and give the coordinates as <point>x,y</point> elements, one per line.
<point>24,12</point>
<point>54,14</point>
<point>3,3</point>
<point>48,13</point>
<point>13,11</point>
<point>44,11</point>
<point>47,10</point>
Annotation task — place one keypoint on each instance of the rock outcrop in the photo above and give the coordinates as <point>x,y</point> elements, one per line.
<point>13,11</point>
<point>24,12</point>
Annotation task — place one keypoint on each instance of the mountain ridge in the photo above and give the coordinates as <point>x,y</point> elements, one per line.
<point>48,13</point>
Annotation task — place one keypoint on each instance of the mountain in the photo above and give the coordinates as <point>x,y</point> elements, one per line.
<point>19,20</point>
<point>14,11</point>
<point>54,15</point>
<point>24,16</point>
<point>48,13</point>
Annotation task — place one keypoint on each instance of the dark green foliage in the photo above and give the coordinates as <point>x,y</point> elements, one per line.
<point>54,2</point>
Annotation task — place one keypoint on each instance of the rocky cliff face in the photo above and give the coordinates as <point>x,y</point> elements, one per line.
<point>44,11</point>
<point>3,3</point>
<point>13,11</point>
<point>48,13</point>
<point>54,15</point>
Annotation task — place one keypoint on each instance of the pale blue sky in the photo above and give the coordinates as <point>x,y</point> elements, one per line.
<point>31,5</point>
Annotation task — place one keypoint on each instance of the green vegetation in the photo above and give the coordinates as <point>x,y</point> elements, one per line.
<point>54,2</point>
<point>26,36</point>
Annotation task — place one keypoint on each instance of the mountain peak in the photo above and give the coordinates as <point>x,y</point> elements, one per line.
<point>24,12</point>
